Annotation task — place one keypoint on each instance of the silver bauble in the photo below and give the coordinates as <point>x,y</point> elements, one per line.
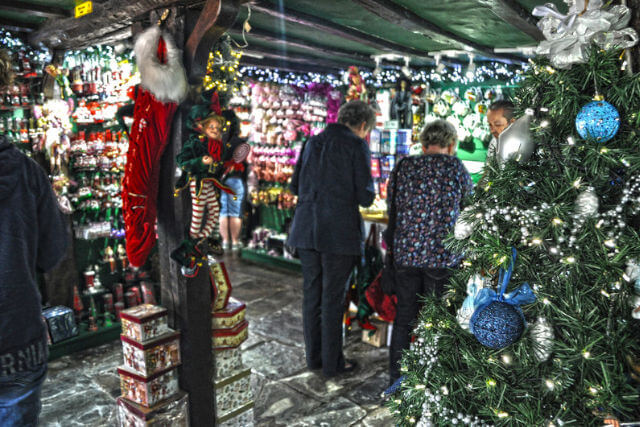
<point>515,142</point>
<point>587,203</point>
<point>542,335</point>
<point>462,229</point>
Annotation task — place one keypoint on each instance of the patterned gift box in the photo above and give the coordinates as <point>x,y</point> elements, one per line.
<point>220,283</point>
<point>230,338</point>
<point>241,417</point>
<point>151,357</point>
<point>233,392</point>
<point>60,323</point>
<point>148,391</point>
<point>144,322</point>
<point>227,362</point>
<point>230,316</point>
<point>170,413</point>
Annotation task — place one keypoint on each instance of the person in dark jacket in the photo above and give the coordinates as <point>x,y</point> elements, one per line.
<point>427,191</point>
<point>331,179</point>
<point>32,235</point>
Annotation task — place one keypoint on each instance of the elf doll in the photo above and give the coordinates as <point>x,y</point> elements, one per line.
<point>205,158</point>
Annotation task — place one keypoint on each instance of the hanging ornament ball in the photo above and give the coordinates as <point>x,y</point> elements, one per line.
<point>460,108</point>
<point>598,120</point>
<point>490,94</point>
<point>441,109</point>
<point>449,96</point>
<point>498,325</point>
<point>462,229</point>
<point>542,336</point>
<point>587,203</point>
<point>481,108</point>
<point>516,141</point>
<point>471,95</point>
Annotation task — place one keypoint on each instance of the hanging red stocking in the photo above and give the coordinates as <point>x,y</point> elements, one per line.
<point>163,85</point>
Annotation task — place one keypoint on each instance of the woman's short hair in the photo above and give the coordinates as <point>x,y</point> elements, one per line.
<point>438,132</point>
<point>6,70</point>
<point>354,113</point>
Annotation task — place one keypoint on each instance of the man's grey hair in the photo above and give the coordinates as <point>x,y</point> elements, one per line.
<point>354,113</point>
<point>438,132</point>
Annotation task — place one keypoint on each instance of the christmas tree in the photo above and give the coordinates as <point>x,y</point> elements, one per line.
<point>551,234</point>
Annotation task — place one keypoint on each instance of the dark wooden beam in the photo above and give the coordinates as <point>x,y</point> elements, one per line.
<point>285,66</point>
<point>299,59</point>
<point>107,17</point>
<point>303,44</point>
<point>329,27</point>
<point>407,19</point>
<point>33,9</point>
<point>16,26</point>
<point>216,17</point>
<point>187,300</point>
<point>511,12</point>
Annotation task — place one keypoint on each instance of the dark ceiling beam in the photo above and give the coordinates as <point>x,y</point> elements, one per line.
<point>510,11</point>
<point>269,37</point>
<point>405,18</point>
<point>16,26</point>
<point>285,66</point>
<point>329,27</point>
<point>299,59</point>
<point>33,9</point>
<point>108,17</point>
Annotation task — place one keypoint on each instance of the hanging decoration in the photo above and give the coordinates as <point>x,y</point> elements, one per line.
<point>542,336</point>
<point>497,321</point>
<point>516,141</point>
<point>222,69</point>
<point>569,37</point>
<point>163,86</point>
<point>587,203</point>
<point>475,284</point>
<point>357,89</point>
<point>598,120</point>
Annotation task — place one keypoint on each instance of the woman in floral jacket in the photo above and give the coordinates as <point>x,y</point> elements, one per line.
<point>427,191</point>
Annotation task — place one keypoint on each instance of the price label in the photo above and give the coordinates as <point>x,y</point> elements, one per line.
<point>83,8</point>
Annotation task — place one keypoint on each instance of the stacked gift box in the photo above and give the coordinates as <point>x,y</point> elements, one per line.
<point>149,376</point>
<point>232,381</point>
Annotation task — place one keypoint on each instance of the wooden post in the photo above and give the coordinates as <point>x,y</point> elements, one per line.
<point>188,300</point>
<point>634,5</point>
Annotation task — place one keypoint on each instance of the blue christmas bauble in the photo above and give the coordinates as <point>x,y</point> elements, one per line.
<point>497,325</point>
<point>598,120</point>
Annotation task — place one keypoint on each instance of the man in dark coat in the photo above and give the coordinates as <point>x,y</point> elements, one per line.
<point>32,235</point>
<point>332,178</point>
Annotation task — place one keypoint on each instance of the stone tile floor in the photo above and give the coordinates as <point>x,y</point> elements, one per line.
<point>81,388</point>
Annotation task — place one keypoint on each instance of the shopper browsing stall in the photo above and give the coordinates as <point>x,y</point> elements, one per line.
<point>332,178</point>
<point>32,235</point>
<point>426,192</point>
<point>500,116</point>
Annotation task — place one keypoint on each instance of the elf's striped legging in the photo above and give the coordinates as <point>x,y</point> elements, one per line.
<point>208,199</point>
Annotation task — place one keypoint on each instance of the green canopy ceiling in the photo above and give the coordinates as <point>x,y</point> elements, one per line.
<point>333,34</point>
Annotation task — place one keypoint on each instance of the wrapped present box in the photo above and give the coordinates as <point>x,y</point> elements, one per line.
<point>61,324</point>
<point>227,362</point>
<point>230,316</point>
<point>144,322</point>
<point>148,391</point>
<point>149,358</point>
<point>381,336</point>
<point>220,283</point>
<point>230,338</point>
<point>239,417</point>
<point>170,413</point>
<point>233,392</point>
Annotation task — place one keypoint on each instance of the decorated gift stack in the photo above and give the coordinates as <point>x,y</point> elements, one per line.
<point>149,376</point>
<point>232,381</point>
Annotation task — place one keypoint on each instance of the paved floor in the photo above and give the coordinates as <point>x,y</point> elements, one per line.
<point>81,388</point>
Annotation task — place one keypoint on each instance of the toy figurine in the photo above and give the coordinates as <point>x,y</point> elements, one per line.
<point>206,157</point>
<point>401,105</point>
<point>357,89</point>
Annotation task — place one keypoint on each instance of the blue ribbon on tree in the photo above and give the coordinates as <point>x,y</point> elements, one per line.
<point>520,296</point>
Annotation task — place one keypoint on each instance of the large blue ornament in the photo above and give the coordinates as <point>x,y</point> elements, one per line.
<point>498,325</point>
<point>497,320</point>
<point>598,120</point>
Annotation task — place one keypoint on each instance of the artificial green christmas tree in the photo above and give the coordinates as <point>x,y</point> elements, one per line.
<point>552,236</point>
